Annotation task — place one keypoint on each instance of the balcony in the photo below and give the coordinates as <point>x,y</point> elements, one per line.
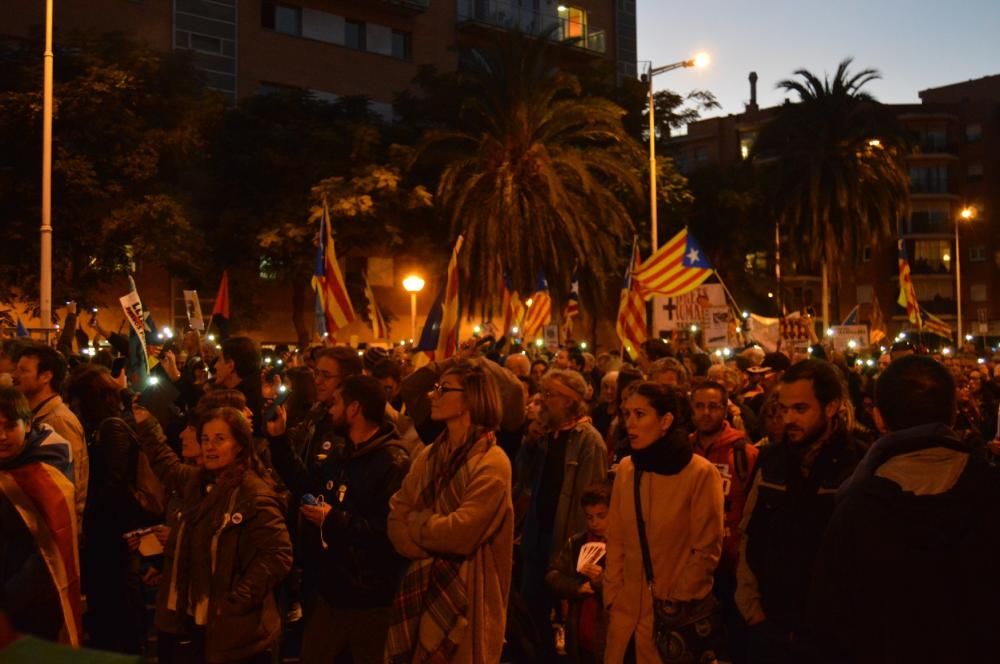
<point>408,6</point>
<point>507,15</point>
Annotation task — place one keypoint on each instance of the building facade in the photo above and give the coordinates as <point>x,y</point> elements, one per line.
<point>954,165</point>
<point>333,48</point>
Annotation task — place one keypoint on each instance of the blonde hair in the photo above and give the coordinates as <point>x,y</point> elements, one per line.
<point>482,398</point>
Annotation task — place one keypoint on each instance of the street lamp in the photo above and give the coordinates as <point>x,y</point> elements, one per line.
<point>701,60</point>
<point>45,278</point>
<point>967,214</point>
<point>413,285</point>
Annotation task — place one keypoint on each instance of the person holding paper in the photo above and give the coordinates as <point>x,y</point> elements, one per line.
<point>577,575</point>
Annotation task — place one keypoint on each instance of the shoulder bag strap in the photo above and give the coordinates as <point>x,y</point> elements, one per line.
<point>647,561</point>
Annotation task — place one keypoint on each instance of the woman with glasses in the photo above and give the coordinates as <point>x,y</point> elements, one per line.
<point>453,519</point>
<point>668,548</point>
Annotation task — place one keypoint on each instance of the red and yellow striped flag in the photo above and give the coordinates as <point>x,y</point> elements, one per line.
<point>907,294</point>
<point>631,325</point>
<point>327,281</point>
<point>450,310</point>
<point>676,268</point>
<point>380,330</point>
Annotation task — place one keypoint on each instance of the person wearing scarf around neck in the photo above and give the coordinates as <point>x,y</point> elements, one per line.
<point>682,505</point>
<point>229,546</point>
<point>453,518</point>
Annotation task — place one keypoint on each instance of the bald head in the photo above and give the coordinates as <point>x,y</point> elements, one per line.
<point>518,364</point>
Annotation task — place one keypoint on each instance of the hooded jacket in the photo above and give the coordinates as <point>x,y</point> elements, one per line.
<point>358,568</point>
<point>903,572</point>
<point>734,457</point>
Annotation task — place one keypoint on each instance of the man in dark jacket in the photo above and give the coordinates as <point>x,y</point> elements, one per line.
<point>788,506</point>
<point>360,570</point>
<point>900,575</point>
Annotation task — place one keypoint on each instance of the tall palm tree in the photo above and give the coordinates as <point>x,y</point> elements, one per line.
<point>538,178</point>
<point>834,164</point>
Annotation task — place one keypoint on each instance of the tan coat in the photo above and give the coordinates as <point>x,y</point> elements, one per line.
<point>684,525</point>
<point>57,415</point>
<point>482,529</point>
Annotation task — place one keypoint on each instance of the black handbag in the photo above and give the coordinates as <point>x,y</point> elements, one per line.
<point>684,632</point>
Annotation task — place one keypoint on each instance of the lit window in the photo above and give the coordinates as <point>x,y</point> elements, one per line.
<point>574,22</point>
<point>932,256</point>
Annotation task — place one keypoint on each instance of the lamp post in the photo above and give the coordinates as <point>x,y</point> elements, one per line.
<point>700,60</point>
<point>967,214</point>
<point>45,278</point>
<point>413,285</point>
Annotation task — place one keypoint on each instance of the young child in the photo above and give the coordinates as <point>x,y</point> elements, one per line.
<point>578,579</point>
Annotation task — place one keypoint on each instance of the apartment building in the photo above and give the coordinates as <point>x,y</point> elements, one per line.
<point>333,48</point>
<point>954,165</point>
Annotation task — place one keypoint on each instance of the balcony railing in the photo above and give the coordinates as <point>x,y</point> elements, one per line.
<point>508,15</point>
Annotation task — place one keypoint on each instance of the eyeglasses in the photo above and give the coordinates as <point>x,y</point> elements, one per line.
<point>444,389</point>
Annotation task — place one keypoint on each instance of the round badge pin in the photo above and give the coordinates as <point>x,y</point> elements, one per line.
<point>237,519</point>
<point>329,485</point>
<point>326,445</point>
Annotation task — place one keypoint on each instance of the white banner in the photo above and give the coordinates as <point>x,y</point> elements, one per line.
<point>680,313</point>
<point>133,312</point>
<point>843,335</point>
<point>716,327</point>
<point>193,306</point>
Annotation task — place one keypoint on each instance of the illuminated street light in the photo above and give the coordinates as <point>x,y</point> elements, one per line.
<point>967,214</point>
<point>700,61</point>
<point>413,284</point>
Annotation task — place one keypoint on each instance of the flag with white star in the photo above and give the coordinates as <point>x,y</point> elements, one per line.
<point>676,268</point>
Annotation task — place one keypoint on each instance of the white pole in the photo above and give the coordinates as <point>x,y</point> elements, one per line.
<point>958,287</point>
<point>413,316</point>
<point>652,164</point>
<point>45,278</point>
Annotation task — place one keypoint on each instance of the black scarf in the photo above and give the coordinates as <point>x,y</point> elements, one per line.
<point>669,455</point>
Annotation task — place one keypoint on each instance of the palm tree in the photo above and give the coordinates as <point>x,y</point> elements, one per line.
<point>538,178</point>
<point>834,163</point>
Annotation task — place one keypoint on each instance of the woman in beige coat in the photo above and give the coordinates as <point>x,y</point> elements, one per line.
<point>454,519</point>
<point>682,506</point>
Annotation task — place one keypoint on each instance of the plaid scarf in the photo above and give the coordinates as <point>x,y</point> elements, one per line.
<point>429,610</point>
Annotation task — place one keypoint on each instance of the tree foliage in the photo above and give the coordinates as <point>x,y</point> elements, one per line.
<point>834,164</point>
<point>538,178</point>
<point>128,125</point>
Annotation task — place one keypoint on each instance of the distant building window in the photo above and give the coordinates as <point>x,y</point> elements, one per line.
<point>930,221</point>
<point>974,171</point>
<point>206,44</point>
<point>354,34</point>
<point>401,47</point>
<point>977,253</point>
<point>929,180</point>
<point>932,257</point>
<point>973,132</point>
<point>574,22</point>
<point>866,254</point>
<point>977,292</point>
<point>286,19</point>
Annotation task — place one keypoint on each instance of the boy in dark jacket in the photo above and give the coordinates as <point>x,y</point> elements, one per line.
<point>578,580</point>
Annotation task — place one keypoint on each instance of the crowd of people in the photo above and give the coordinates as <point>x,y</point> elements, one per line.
<point>335,504</point>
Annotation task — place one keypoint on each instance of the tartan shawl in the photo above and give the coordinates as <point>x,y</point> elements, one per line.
<point>429,611</point>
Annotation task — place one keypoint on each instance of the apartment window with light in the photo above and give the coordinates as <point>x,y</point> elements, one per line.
<point>286,19</point>
<point>574,22</point>
<point>932,257</point>
<point>354,34</point>
<point>401,45</point>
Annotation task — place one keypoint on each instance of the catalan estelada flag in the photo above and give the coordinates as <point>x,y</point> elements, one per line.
<point>450,309</point>
<point>511,307</point>
<point>631,324</point>
<point>907,294</point>
<point>676,268</point>
<point>379,328</point>
<point>37,485</point>
<point>935,325</point>
<point>331,294</point>
<point>539,310</point>
<point>572,307</point>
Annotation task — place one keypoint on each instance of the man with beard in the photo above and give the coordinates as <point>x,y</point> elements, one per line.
<point>732,454</point>
<point>789,504</point>
<point>563,464</point>
<point>359,569</point>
